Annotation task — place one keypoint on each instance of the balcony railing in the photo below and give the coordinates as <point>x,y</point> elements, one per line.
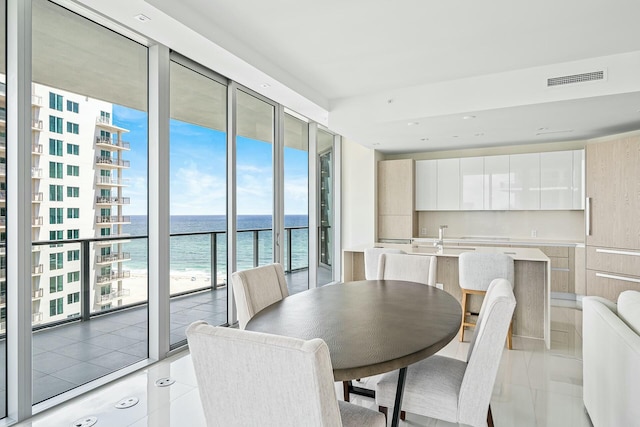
<point>113,257</point>
<point>102,120</point>
<point>3,143</point>
<point>36,148</point>
<point>37,269</point>
<point>3,115</point>
<point>104,160</point>
<point>36,173</point>
<point>113,142</point>
<point>113,200</point>
<point>37,221</point>
<point>111,180</point>
<point>3,299</point>
<point>114,275</point>
<point>36,125</point>
<point>37,197</point>
<point>36,317</point>
<point>3,168</point>
<point>112,219</point>
<point>3,195</point>
<point>37,293</point>
<point>3,273</point>
<point>36,101</point>
<point>3,221</point>
<point>114,295</point>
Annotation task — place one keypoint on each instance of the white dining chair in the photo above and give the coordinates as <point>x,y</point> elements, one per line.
<point>255,379</point>
<point>476,270</point>
<point>412,268</point>
<point>371,258</point>
<point>454,390</point>
<point>256,288</point>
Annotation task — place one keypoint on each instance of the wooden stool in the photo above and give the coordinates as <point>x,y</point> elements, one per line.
<point>465,293</point>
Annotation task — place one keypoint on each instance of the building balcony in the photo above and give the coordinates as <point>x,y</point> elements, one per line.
<point>112,200</point>
<point>3,221</point>
<point>3,144</point>
<point>37,221</point>
<point>3,169</point>
<point>36,149</point>
<point>112,143</point>
<point>111,181</point>
<point>3,273</point>
<point>36,101</point>
<point>3,115</point>
<point>3,196</point>
<point>110,162</point>
<point>37,293</point>
<point>105,299</point>
<point>3,299</point>
<point>37,270</point>
<point>106,123</point>
<point>37,125</point>
<point>114,275</point>
<point>36,317</point>
<point>114,219</point>
<point>37,197</point>
<point>36,173</point>
<point>113,257</point>
<point>108,242</point>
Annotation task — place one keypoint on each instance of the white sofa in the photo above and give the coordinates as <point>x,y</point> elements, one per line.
<point>611,360</point>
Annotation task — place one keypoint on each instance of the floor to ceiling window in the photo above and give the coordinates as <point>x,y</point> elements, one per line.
<point>326,213</point>
<point>89,200</point>
<point>254,180</point>
<point>198,199</point>
<point>296,202</point>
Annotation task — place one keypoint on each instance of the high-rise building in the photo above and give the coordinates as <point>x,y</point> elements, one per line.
<point>77,193</point>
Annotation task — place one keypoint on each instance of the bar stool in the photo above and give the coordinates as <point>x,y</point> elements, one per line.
<point>476,271</point>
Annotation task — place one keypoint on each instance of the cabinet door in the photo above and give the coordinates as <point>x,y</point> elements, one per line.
<point>472,183</point>
<point>448,185</point>
<point>426,185</point>
<point>613,186</point>
<point>556,180</point>
<point>395,187</point>
<point>496,183</point>
<point>578,179</point>
<point>524,185</point>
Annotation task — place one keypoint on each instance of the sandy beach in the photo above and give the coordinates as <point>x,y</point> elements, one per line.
<point>180,282</point>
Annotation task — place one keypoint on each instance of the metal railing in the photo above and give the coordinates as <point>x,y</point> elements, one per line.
<point>36,124</point>
<point>37,269</point>
<point>102,120</point>
<point>36,148</point>
<point>36,173</point>
<point>113,257</point>
<point>113,200</point>
<point>112,219</point>
<point>37,293</point>
<point>37,197</point>
<point>105,160</point>
<point>37,221</point>
<point>115,295</point>
<point>114,275</point>
<point>113,142</point>
<point>111,180</point>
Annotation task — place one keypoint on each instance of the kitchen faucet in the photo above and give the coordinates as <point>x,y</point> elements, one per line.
<point>440,243</point>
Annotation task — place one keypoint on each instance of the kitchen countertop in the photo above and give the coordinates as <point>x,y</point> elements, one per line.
<point>518,254</point>
<point>524,241</point>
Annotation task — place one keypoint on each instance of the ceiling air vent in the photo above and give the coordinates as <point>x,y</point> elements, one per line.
<point>576,78</point>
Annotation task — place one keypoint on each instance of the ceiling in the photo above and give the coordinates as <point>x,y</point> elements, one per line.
<point>401,76</point>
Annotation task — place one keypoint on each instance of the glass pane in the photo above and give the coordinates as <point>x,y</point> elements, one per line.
<point>325,206</point>
<point>198,201</point>
<point>96,190</point>
<point>296,203</point>
<point>254,188</point>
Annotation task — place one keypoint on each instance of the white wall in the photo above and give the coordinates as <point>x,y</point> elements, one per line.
<point>358,194</point>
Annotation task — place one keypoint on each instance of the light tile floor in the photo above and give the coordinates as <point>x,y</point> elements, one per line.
<point>534,387</point>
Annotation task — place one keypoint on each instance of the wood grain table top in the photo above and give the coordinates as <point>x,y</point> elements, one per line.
<point>370,326</point>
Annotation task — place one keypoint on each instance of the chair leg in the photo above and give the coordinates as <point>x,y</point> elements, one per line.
<point>489,418</point>
<point>509,334</point>
<point>464,314</point>
<point>383,409</point>
<point>345,389</point>
<point>403,415</point>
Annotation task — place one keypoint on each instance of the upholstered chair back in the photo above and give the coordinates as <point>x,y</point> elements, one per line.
<point>257,288</point>
<point>412,268</point>
<point>371,257</point>
<point>477,270</point>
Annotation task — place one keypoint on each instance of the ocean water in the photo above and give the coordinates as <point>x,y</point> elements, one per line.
<point>192,254</point>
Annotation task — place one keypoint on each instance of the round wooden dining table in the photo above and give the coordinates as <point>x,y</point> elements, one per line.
<point>370,326</point>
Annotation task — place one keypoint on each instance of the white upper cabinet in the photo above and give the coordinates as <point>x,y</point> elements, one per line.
<point>426,185</point>
<point>448,194</point>
<point>535,181</point>
<point>556,180</point>
<point>472,183</point>
<point>496,183</point>
<point>578,194</point>
<point>524,183</point>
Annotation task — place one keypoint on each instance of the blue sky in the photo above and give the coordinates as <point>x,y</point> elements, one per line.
<point>198,170</point>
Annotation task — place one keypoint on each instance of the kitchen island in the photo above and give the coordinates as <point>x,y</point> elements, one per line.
<point>531,283</point>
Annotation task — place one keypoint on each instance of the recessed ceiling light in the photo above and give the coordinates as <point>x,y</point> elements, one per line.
<point>413,124</point>
<point>543,128</point>
<point>424,139</point>
<point>390,101</point>
<point>479,134</point>
<point>375,144</point>
<point>454,136</point>
<point>142,18</point>
<point>469,117</point>
<point>265,85</point>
